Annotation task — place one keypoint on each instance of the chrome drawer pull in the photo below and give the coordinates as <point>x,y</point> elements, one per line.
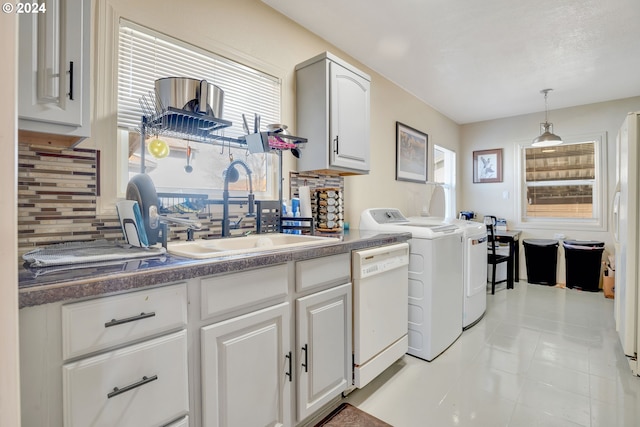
<point>115,322</point>
<point>116,391</point>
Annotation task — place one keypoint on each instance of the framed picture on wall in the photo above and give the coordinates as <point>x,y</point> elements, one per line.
<point>411,154</point>
<point>487,166</point>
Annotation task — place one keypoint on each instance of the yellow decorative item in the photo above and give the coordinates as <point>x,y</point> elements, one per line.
<point>158,149</point>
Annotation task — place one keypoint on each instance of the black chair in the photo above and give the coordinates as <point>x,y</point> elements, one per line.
<point>493,258</point>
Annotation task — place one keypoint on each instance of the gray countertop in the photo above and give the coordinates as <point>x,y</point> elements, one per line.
<point>47,285</point>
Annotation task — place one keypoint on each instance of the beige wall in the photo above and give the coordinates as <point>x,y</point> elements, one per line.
<point>507,133</point>
<point>250,32</point>
<point>253,33</point>
<point>9,366</point>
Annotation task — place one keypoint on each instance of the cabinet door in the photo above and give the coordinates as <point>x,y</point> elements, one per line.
<point>349,125</point>
<point>323,347</point>
<point>247,370</point>
<point>54,67</point>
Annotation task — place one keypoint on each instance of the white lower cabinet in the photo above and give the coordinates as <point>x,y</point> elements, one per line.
<point>261,347</point>
<point>247,370</point>
<point>118,360</point>
<point>323,337</point>
<point>144,384</point>
<point>252,373</point>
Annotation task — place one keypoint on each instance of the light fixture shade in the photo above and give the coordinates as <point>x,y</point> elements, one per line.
<point>548,138</point>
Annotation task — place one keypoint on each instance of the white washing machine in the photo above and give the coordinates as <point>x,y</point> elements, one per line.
<point>474,263</point>
<point>435,279</point>
<point>474,267</point>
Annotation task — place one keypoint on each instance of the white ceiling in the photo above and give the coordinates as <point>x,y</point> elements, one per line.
<point>478,60</point>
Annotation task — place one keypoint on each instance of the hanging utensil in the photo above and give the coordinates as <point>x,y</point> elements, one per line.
<point>245,125</point>
<point>256,123</point>
<point>188,168</point>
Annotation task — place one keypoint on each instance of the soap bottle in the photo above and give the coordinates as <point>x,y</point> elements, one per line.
<point>295,209</point>
<point>297,223</point>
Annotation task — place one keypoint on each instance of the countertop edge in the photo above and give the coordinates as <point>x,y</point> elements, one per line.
<point>185,269</point>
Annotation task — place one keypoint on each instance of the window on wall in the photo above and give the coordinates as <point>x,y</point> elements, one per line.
<point>444,172</point>
<point>564,184</point>
<point>144,56</point>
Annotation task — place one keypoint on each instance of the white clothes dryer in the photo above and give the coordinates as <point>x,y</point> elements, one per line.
<point>435,279</point>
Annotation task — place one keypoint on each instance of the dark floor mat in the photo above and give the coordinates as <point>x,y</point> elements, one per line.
<point>347,415</point>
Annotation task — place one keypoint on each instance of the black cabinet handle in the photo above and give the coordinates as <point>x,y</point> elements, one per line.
<point>145,380</point>
<point>306,359</point>
<point>140,316</point>
<point>288,356</point>
<point>336,144</point>
<point>71,80</point>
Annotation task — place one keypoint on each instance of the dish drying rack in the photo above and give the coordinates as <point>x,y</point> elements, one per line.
<point>180,203</point>
<point>183,124</point>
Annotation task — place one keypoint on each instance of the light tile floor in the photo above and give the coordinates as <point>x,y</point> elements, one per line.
<point>541,356</point>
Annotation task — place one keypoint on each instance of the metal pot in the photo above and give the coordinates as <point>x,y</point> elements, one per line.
<point>197,96</point>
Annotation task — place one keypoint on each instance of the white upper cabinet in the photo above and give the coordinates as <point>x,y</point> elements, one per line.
<point>333,111</point>
<point>54,60</point>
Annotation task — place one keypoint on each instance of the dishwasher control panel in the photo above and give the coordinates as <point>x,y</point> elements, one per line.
<point>380,260</point>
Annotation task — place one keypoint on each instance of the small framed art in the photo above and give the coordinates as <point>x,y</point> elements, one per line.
<point>487,166</point>
<point>411,154</point>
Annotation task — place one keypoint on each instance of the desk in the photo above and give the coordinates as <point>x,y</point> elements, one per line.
<point>512,237</point>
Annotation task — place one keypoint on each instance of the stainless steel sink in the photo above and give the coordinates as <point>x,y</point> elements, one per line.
<point>256,243</point>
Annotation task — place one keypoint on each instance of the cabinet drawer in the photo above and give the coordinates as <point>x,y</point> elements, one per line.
<point>331,270</point>
<point>223,294</point>
<point>144,384</point>
<point>97,324</point>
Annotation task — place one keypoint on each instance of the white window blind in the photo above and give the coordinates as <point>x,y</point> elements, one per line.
<point>561,181</point>
<point>145,55</point>
<point>564,186</point>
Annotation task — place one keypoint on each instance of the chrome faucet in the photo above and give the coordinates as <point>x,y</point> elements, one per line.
<point>231,174</point>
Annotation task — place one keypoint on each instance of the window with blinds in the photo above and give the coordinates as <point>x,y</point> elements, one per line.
<point>144,56</point>
<point>560,181</point>
<point>563,182</point>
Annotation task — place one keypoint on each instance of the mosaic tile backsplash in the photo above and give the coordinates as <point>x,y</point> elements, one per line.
<point>57,191</point>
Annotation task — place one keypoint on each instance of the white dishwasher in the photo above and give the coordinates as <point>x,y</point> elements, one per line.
<point>380,309</point>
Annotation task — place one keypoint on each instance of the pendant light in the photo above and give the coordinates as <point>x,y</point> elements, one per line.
<point>547,137</point>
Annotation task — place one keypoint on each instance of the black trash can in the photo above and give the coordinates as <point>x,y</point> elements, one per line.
<point>542,260</point>
<point>583,260</point>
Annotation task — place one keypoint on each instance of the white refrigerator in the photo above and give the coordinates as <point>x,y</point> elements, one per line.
<point>625,228</point>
